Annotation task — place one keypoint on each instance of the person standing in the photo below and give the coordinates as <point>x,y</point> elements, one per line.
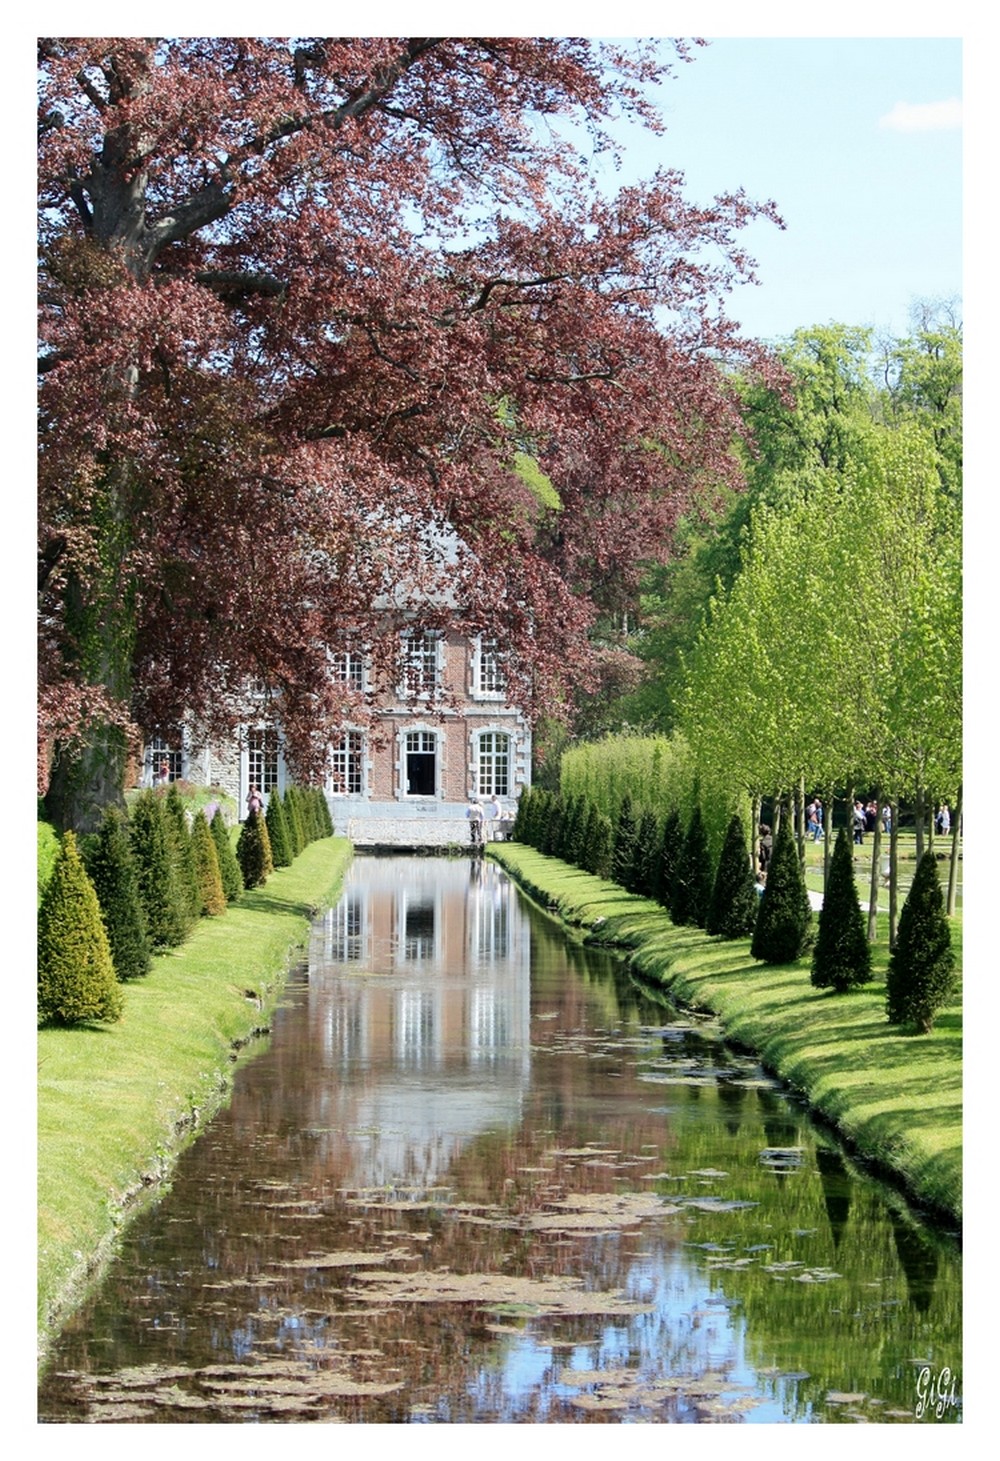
<point>474,812</point>
<point>491,818</point>
<point>859,824</point>
<point>255,802</point>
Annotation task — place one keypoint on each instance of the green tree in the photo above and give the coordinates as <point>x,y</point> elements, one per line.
<point>277,831</point>
<point>229,868</point>
<point>206,861</point>
<point>648,846</point>
<point>112,870</point>
<point>152,848</point>
<point>293,820</point>
<point>695,879</point>
<point>733,909</point>
<point>251,853</point>
<point>76,974</point>
<point>179,835</point>
<point>623,855</point>
<point>841,956</point>
<point>670,851</point>
<point>921,975</point>
<point>782,930</point>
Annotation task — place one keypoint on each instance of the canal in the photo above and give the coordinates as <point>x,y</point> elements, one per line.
<point>477,1176</point>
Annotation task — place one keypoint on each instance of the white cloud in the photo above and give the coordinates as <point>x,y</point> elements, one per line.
<point>929,116</point>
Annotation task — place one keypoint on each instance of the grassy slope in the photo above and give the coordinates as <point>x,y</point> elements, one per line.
<point>117,1103</point>
<point>896,1097</point>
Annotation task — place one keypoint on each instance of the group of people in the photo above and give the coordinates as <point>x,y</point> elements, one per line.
<point>487,822</point>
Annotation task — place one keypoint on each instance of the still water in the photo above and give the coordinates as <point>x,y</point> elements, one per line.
<point>477,1176</point>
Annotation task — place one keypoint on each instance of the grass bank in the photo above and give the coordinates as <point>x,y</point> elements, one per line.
<point>117,1103</point>
<point>895,1097</point>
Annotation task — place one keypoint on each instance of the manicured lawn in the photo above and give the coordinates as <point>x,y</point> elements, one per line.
<point>895,1095</point>
<point>117,1103</point>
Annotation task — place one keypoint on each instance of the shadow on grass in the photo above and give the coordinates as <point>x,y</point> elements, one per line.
<point>259,900</point>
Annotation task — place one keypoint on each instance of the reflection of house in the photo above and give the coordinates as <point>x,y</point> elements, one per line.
<point>422,969</point>
<point>404,778</point>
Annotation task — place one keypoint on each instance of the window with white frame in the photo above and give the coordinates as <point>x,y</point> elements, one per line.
<point>493,762</point>
<point>262,758</point>
<point>487,676</point>
<point>348,667</point>
<point>421,661</point>
<point>347,764</point>
<point>165,758</point>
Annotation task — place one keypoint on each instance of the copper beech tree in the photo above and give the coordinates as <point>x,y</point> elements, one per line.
<point>307,308</point>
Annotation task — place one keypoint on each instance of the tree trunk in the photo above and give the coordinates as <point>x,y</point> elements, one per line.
<point>873,881</point>
<point>956,823</point>
<point>920,813</point>
<point>893,870</point>
<point>800,818</point>
<point>755,803</point>
<point>827,834</point>
<point>101,621</point>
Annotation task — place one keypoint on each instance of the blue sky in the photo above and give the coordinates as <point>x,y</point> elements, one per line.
<point>859,143</point>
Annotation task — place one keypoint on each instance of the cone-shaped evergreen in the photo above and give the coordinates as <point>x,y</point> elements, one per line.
<point>600,844</point>
<point>250,852</point>
<point>521,816</point>
<point>670,853</point>
<point>111,868</point>
<point>76,975</point>
<point>784,918</point>
<point>293,821</point>
<point>842,955</point>
<point>277,831</point>
<point>325,819</point>
<point>229,868</point>
<point>166,923</point>
<point>572,830</point>
<point>183,853</point>
<point>623,856</point>
<point>551,834</point>
<point>733,909</point>
<point>694,881</point>
<point>921,975</point>
<point>645,866</point>
<point>206,861</point>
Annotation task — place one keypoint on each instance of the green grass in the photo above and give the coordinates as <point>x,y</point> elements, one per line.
<point>117,1103</point>
<point>895,1096</point>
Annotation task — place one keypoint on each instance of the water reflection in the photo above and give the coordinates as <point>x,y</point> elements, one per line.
<point>478,1176</point>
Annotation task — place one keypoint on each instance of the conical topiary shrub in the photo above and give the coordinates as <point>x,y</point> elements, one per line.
<point>694,880</point>
<point>250,851</point>
<point>293,821</point>
<point>111,868</point>
<point>670,853</point>
<point>76,975</point>
<point>623,854</point>
<point>784,918</point>
<point>277,831</point>
<point>206,861</point>
<point>733,910</point>
<point>921,975</point>
<point>842,955</point>
<point>600,845</point>
<point>183,854</point>
<point>645,863</point>
<point>229,868</point>
<point>325,819</point>
<point>166,920</point>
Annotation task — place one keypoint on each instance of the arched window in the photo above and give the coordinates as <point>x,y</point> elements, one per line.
<point>493,763</point>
